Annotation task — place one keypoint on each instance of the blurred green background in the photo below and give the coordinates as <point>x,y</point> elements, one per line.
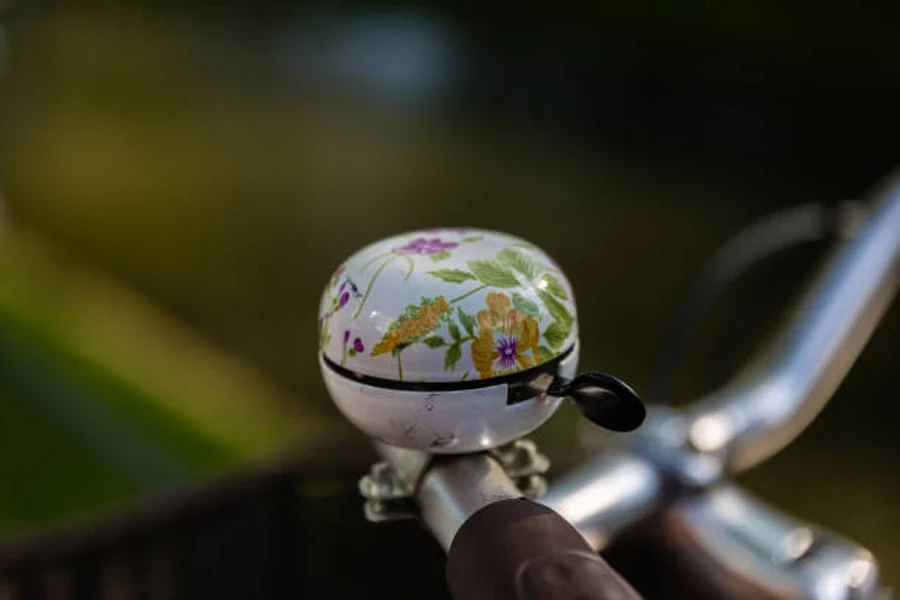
<point>179,181</point>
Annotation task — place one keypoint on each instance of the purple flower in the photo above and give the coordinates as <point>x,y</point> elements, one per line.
<point>345,297</point>
<point>358,345</point>
<point>343,286</point>
<point>346,336</point>
<point>425,246</point>
<point>506,351</point>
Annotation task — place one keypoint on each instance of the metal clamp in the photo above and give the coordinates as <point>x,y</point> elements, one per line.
<point>390,485</point>
<point>525,466</point>
<point>388,494</point>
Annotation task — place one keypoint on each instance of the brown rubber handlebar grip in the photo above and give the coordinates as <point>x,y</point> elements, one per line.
<point>521,550</point>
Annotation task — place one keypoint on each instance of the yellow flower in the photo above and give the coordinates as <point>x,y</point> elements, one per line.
<point>505,336</point>
<point>424,319</point>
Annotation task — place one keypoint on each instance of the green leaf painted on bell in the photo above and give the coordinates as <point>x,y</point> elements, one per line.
<point>440,256</point>
<point>520,262</point>
<point>473,238</point>
<point>434,341</point>
<point>555,308</point>
<point>352,352</point>
<point>454,331</point>
<point>546,353</point>
<point>464,376</point>
<point>492,273</point>
<point>452,275</point>
<point>555,287</point>
<point>468,321</point>
<point>555,335</point>
<point>454,353</point>
<point>529,307</point>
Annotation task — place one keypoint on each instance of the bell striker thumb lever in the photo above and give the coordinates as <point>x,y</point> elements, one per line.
<point>605,400</point>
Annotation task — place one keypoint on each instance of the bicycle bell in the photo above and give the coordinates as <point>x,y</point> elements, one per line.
<point>458,340</point>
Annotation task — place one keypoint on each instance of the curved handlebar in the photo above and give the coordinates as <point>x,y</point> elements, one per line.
<point>760,414</point>
<point>466,501</point>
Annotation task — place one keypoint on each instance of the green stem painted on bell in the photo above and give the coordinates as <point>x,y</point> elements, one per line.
<point>467,294</point>
<point>369,287</point>
<point>373,259</point>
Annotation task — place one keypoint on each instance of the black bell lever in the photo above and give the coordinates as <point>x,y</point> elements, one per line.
<point>606,400</point>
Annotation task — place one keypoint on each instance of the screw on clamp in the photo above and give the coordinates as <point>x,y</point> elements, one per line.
<point>388,490</point>
<point>387,494</point>
<point>525,465</point>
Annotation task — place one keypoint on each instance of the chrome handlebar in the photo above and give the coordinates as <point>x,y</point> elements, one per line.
<point>737,545</point>
<point>761,413</point>
<point>766,407</point>
<point>741,548</point>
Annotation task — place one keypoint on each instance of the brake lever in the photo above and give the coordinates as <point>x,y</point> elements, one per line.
<point>737,546</point>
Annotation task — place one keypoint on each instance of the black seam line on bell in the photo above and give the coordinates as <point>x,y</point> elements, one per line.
<point>517,382</point>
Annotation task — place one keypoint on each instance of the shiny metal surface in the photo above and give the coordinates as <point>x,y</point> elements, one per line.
<point>767,408</point>
<point>454,488</point>
<point>732,543</point>
<point>742,548</point>
<point>605,495</point>
<point>735,544</point>
<point>448,490</point>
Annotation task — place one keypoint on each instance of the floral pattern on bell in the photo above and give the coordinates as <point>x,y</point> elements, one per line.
<point>425,246</point>
<point>507,339</point>
<point>337,295</point>
<point>447,305</point>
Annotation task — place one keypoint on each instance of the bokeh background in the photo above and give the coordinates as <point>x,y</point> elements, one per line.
<point>179,180</point>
